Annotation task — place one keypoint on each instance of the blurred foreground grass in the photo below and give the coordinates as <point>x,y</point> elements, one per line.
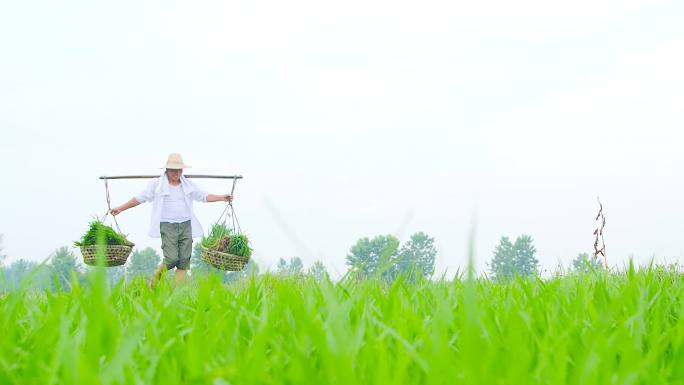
<point>597,328</point>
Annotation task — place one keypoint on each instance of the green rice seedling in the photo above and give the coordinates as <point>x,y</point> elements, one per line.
<point>239,245</point>
<point>590,328</point>
<point>99,233</point>
<point>222,239</point>
<point>217,232</point>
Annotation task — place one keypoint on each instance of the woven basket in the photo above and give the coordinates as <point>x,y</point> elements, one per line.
<point>223,261</point>
<point>115,255</point>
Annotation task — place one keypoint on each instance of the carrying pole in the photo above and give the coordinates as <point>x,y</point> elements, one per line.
<point>199,176</point>
<point>229,206</point>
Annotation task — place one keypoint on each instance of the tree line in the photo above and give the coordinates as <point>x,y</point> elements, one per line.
<point>62,266</point>
<point>379,257</point>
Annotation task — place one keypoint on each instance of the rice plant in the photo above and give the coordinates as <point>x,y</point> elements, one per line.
<point>594,328</point>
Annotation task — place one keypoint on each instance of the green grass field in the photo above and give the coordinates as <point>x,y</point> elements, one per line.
<point>621,328</point>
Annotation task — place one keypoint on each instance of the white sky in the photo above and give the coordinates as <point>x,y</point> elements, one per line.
<point>352,119</point>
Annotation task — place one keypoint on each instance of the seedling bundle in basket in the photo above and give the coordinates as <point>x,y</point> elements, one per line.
<point>102,239</point>
<point>225,249</point>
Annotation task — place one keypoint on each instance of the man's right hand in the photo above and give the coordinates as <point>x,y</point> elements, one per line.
<point>115,211</point>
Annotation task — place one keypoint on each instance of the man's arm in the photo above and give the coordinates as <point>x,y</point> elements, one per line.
<point>219,198</point>
<point>130,204</point>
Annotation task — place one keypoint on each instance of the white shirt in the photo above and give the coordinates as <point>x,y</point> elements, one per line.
<point>159,189</point>
<point>174,209</point>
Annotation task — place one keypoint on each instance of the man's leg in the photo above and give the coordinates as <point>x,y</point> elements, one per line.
<point>184,251</point>
<point>180,276</point>
<point>170,240</point>
<point>158,274</point>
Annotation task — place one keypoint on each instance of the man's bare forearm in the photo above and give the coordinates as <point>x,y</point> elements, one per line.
<point>130,204</point>
<point>219,198</point>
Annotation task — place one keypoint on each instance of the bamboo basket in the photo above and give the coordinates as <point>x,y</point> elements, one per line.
<point>115,255</point>
<point>223,261</point>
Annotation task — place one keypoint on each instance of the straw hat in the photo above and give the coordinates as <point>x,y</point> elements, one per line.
<point>175,162</point>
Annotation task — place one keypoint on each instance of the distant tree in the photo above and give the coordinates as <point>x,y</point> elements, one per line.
<point>281,267</point>
<point>318,271</point>
<point>511,259</point>
<point>372,257</point>
<point>296,266</point>
<point>525,261</point>
<point>417,256</point>
<point>142,263</point>
<point>584,263</point>
<point>502,265</point>
<point>17,271</point>
<point>115,274</point>
<point>2,255</point>
<point>293,267</point>
<point>251,268</point>
<point>62,264</point>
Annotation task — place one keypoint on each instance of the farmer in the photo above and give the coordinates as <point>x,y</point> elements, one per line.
<point>172,216</point>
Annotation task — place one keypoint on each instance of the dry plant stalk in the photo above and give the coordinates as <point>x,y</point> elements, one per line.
<point>599,242</point>
<point>223,244</point>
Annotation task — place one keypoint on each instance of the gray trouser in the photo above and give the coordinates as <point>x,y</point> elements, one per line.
<point>176,244</point>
